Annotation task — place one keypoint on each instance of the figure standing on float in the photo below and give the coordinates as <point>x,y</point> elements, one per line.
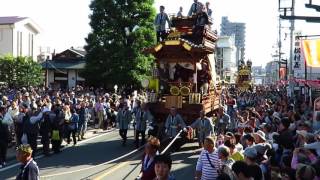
<point>160,24</point>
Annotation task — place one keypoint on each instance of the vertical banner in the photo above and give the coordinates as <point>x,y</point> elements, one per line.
<point>311,51</point>
<point>297,54</point>
<point>283,73</point>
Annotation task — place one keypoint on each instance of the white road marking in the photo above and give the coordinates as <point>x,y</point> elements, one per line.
<point>95,166</point>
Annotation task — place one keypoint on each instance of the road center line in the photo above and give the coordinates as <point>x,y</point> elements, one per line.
<point>117,167</point>
<point>87,168</point>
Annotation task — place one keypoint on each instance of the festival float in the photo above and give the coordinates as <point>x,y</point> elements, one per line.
<point>244,82</point>
<point>184,73</point>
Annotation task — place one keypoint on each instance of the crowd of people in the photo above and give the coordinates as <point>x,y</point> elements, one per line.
<point>28,114</point>
<point>262,135</point>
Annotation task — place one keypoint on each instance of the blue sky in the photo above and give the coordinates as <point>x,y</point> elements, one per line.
<point>64,23</point>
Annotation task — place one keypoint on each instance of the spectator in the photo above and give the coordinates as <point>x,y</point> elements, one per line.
<point>240,170</point>
<point>162,167</point>
<point>29,168</point>
<point>305,172</point>
<point>234,153</point>
<point>4,138</point>
<point>99,109</point>
<point>148,163</point>
<point>31,129</point>
<point>84,117</point>
<point>249,140</point>
<point>250,156</point>
<point>73,126</point>
<point>224,156</point>
<point>259,137</point>
<point>208,163</point>
<point>45,131</point>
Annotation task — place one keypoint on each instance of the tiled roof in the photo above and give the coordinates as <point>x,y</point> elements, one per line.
<point>80,51</point>
<point>68,64</point>
<point>11,19</point>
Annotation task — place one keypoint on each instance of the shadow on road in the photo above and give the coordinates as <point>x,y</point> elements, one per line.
<point>89,153</point>
<point>184,162</point>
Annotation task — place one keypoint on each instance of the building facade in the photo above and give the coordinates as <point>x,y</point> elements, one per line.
<point>18,36</point>
<point>226,58</point>
<point>272,72</point>
<point>258,75</point>
<point>238,30</point>
<point>62,71</point>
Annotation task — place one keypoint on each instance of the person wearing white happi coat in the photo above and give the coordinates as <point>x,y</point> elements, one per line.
<point>124,118</point>
<point>204,127</point>
<point>174,123</point>
<point>142,118</point>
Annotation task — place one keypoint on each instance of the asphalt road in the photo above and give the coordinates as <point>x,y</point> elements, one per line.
<point>98,158</point>
<point>183,166</point>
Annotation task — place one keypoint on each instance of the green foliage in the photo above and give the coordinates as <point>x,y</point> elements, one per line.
<point>20,71</point>
<point>120,30</point>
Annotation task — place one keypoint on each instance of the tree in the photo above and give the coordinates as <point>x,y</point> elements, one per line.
<point>120,30</point>
<point>20,71</point>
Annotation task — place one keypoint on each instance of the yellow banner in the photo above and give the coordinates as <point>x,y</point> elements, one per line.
<point>311,49</point>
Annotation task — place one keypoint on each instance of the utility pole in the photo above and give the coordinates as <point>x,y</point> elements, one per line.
<point>292,28</point>
<point>279,46</point>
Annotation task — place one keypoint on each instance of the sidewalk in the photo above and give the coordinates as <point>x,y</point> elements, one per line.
<point>91,132</point>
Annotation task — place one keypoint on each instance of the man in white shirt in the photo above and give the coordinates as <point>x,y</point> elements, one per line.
<point>208,163</point>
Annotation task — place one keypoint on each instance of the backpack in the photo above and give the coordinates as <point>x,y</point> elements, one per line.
<point>55,135</point>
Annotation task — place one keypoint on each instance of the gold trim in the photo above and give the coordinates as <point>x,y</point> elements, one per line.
<point>158,47</point>
<point>172,43</point>
<point>187,46</point>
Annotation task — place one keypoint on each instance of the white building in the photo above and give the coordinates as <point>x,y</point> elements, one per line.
<point>18,36</point>
<point>226,58</point>
<point>238,30</point>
